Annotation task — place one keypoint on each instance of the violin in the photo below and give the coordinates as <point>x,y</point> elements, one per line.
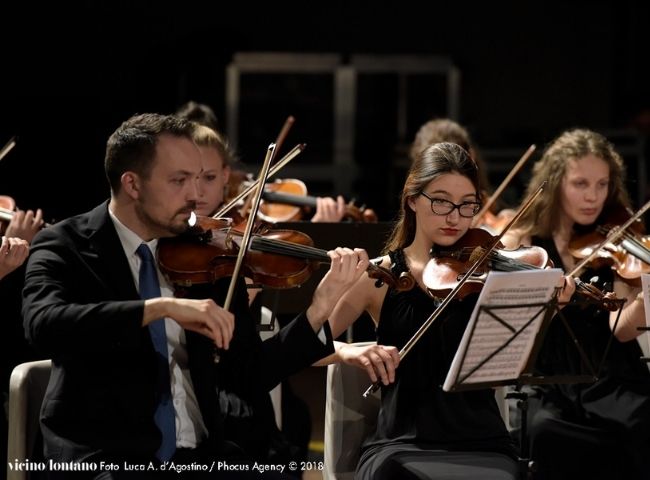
<point>449,264</point>
<point>277,259</point>
<point>8,210</point>
<point>286,200</point>
<point>7,206</point>
<point>629,256</point>
<point>495,223</point>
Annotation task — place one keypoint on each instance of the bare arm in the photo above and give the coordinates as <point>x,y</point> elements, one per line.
<point>379,361</point>
<point>633,314</point>
<point>346,268</point>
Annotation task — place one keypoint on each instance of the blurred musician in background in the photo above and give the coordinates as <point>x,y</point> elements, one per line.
<point>598,430</point>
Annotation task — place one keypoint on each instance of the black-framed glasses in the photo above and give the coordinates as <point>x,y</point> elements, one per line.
<point>441,206</point>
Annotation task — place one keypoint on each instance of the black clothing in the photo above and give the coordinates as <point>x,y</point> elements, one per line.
<point>418,421</point>
<point>590,430</point>
<point>82,310</point>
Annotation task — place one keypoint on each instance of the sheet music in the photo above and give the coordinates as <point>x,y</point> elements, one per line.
<point>485,334</point>
<point>644,340</point>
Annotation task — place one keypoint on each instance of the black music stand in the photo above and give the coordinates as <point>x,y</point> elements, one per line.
<point>527,376</point>
<point>644,329</point>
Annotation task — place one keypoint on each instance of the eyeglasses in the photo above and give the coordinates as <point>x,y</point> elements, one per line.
<point>440,206</point>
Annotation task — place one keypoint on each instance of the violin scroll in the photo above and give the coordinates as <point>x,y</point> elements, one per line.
<point>605,300</point>
<point>383,276</point>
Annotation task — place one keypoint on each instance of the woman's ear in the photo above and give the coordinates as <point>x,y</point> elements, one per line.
<point>411,202</point>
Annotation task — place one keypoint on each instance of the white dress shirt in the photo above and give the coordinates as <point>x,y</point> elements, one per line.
<point>190,429</point>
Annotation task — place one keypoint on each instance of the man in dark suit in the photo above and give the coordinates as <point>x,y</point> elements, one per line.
<point>82,307</point>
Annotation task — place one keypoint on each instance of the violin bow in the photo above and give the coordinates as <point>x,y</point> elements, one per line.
<point>7,148</point>
<point>261,181</point>
<point>270,151</point>
<point>284,131</point>
<point>295,151</point>
<point>436,313</point>
<point>490,201</point>
<point>613,235</point>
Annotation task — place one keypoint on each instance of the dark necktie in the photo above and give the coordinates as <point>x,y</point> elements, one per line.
<point>164,416</point>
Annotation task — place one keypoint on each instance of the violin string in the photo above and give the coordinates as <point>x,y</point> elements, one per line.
<point>282,247</point>
<point>502,262</point>
<point>634,246</point>
<point>506,264</point>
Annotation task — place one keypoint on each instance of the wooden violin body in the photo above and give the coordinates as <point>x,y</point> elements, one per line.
<point>287,201</point>
<point>276,258</point>
<point>205,257</point>
<point>292,191</point>
<point>628,256</point>
<point>7,207</point>
<point>449,264</point>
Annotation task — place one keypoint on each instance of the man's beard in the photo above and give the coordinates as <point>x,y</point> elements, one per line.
<point>174,226</point>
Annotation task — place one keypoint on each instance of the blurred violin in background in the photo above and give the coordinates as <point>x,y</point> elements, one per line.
<point>489,219</point>
<point>28,224</point>
<point>7,206</point>
<point>495,223</point>
<point>287,201</point>
<point>628,256</point>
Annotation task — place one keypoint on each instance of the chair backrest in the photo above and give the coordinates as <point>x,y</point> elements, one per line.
<point>349,418</point>
<point>26,391</point>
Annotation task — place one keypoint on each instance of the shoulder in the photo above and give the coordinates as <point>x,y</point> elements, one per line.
<point>72,230</point>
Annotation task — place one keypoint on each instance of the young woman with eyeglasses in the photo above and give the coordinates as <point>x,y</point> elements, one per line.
<point>423,432</point>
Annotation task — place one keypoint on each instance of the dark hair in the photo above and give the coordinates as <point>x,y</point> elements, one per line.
<point>199,113</point>
<point>434,161</point>
<point>440,130</point>
<point>132,147</point>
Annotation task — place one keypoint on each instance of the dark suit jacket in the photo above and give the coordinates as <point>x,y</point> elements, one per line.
<point>82,310</point>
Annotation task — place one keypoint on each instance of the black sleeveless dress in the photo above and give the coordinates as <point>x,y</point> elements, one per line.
<point>422,431</point>
<point>590,430</point>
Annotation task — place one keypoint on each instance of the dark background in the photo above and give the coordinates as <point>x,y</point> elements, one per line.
<point>71,72</point>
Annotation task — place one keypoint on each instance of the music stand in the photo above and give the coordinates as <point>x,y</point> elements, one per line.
<point>645,291</point>
<point>526,375</point>
<point>644,359</point>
